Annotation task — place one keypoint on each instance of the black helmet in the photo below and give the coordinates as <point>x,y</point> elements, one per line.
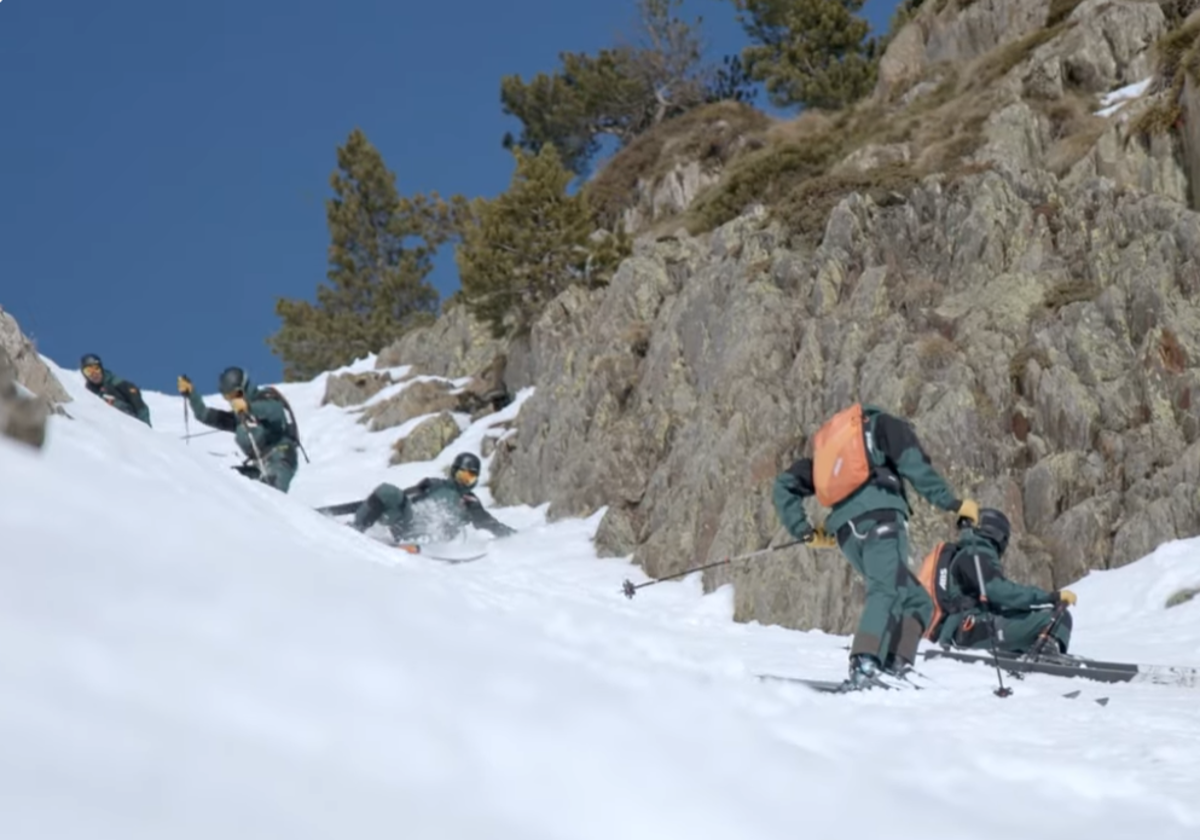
<point>465,462</point>
<point>90,359</point>
<point>994,527</point>
<point>233,380</point>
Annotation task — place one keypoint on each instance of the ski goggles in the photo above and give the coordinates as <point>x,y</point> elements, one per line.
<point>91,370</point>
<point>466,477</point>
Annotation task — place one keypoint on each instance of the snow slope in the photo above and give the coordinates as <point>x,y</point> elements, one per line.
<point>187,654</point>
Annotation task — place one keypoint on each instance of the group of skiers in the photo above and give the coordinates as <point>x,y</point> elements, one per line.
<point>862,457</point>
<point>265,430</point>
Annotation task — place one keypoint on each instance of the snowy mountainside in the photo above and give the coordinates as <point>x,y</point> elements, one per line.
<point>185,654</point>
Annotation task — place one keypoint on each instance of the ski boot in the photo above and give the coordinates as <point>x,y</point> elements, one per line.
<point>865,673</point>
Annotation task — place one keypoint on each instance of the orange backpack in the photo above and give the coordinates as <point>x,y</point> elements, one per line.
<point>841,464</point>
<point>934,576</point>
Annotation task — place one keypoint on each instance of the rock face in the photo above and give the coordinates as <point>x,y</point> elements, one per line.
<point>1042,342</point>
<point>29,391</point>
<point>1035,314</point>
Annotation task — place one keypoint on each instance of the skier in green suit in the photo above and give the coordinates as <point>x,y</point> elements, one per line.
<point>1017,613</point>
<point>120,393</point>
<point>434,508</point>
<point>260,422</point>
<point>861,458</point>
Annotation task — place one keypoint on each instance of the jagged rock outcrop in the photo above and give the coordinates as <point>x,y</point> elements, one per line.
<point>29,391</point>
<point>1042,342</point>
<point>30,370</point>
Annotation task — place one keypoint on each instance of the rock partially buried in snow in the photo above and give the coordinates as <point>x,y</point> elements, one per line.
<point>348,389</point>
<point>425,441</point>
<point>424,397</point>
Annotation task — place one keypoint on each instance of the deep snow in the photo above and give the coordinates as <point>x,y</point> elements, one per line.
<point>188,654</point>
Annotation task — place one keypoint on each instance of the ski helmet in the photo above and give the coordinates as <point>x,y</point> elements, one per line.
<point>994,527</point>
<point>233,380</point>
<point>465,469</point>
<point>90,359</point>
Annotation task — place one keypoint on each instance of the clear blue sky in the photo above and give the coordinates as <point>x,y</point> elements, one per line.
<point>163,165</point>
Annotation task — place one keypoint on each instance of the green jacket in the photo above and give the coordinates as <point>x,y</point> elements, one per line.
<point>1005,597</point>
<point>897,456</point>
<point>122,395</point>
<point>266,423</point>
<point>442,507</point>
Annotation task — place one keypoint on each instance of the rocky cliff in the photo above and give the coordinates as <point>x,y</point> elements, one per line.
<point>1033,309</point>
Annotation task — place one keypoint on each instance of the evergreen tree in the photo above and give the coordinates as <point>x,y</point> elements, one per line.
<point>622,91</point>
<point>521,249</point>
<point>809,52</point>
<point>381,250</point>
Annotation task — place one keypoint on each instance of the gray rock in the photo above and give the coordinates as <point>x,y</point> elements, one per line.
<point>427,440</point>
<point>347,389</point>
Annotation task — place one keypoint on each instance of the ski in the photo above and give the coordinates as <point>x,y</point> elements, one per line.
<point>832,687</point>
<point>339,510</point>
<point>1097,670</point>
<point>415,548</point>
<point>824,686</point>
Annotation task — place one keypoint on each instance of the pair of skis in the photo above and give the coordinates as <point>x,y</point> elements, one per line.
<point>1098,670</point>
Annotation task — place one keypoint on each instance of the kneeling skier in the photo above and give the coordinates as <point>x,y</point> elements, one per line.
<point>260,421</point>
<point>972,596</point>
<point>434,508</point>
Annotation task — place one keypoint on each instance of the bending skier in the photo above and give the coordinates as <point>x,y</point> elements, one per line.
<point>434,508</point>
<point>260,422</point>
<point>957,574</point>
<point>861,458</point>
<point>121,394</point>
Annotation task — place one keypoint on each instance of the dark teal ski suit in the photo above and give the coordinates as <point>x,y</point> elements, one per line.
<point>871,527</point>
<point>264,427</point>
<point>1013,606</point>
<point>434,508</point>
<point>121,395</point>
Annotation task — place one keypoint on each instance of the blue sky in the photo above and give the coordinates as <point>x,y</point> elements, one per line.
<point>163,165</point>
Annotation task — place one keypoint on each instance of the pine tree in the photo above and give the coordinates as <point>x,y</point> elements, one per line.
<point>381,250</point>
<point>521,249</point>
<point>809,52</point>
<point>621,91</point>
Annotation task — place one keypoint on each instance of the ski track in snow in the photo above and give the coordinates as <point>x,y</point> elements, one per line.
<point>188,654</point>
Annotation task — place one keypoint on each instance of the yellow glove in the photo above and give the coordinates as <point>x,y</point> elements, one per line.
<point>817,538</point>
<point>969,509</point>
<point>238,404</point>
<point>185,385</point>
<point>1066,596</point>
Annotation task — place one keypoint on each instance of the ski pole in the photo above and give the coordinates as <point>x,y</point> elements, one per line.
<point>1036,650</point>
<point>987,610</point>
<point>187,431</point>
<point>629,588</point>
<point>201,434</point>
